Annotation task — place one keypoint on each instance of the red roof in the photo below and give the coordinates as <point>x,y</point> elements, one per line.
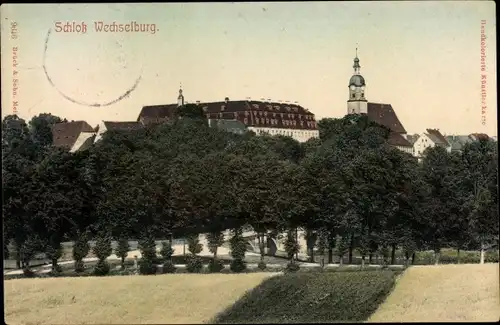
<point>480,136</point>
<point>65,134</point>
<point>385,115</point>
<point>122,125</point>
<point>437,137</point>
<point>396,139</point>
<point>251,113</point>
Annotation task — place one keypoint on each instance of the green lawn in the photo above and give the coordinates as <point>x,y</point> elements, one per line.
<point>312,297</point>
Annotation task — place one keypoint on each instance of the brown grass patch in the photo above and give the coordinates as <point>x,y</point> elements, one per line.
<point>444,293</point>
<point>167,299</point>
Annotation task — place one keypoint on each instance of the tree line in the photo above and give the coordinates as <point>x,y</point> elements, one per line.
<point>348,189</point>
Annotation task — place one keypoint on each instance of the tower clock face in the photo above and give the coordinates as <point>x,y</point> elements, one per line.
<point>353,87</point>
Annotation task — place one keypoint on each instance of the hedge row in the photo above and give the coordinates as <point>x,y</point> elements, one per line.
<point>451,257</point>
<point>312,297</point>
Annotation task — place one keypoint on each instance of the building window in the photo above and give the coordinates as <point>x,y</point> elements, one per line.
<point>362,94</point>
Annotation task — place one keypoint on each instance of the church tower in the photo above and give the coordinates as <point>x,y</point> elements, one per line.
<point>180,98</point>
<point>357,103</point>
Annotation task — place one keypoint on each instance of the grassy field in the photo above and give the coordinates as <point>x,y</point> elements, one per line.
<point>444,293</point>
<point>312,297</point>
<point>167,299</point>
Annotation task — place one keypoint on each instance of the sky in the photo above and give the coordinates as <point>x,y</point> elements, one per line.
<point>423,58</point>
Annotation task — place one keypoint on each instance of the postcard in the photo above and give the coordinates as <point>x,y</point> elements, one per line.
<point>279,141</point>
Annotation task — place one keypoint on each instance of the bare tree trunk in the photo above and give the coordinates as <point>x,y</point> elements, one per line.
<point>458,255</point>
<point>312,254</point>
<point>261,246</point>
<point>481,260</point>
<point>370,258</point>
<point>393,254</point>
<point>297,241</point>
<point>330,255</point>
<point>341,260</point>
<point>363,262</point>
<point>54,265</point>
<point>351,248</point>
<point>413,259</point>
<point>437,255</point>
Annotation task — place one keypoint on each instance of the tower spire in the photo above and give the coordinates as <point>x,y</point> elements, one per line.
<point>356,65</point>
<point>180,98</point>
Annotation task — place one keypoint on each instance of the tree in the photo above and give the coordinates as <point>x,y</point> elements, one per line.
<point>480,181</point>
<point>28,250</point>
<point>238,248</point>
<point>195,247</point>
<point>147,246</point>
<point>311,237</point>
<point>57,200</point>
<point>438,221</point>
<point>18,157</point>
<point>122,250</point>
<point>215,240</point>
<point>292,247</point>
<point>191,111</point>
<point>342,246</point>
<point>54,252</point>
<point>81,249</point>
<point>41,129</point>
<point>102,251</point>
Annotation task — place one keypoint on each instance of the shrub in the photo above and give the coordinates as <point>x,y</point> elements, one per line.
<point>312,297</point>
<point>194,264</point>
<point>102,268</point>
<point>215,240</point>
<point>238,265</point>
<point>291,245</point>
<point>5,249</point>
<point>169,267</point>
<point>147,247</point>
<point>122,250</point>
<point>292,267</point>
<point>450,256</point>
<point>166,251</point>
<point>81,249</point>
<point>262,265</point>
<point>54,253</point>
<point>238,249</point>
<point>492,257</point>
<point>146,266</point>
<point>28,251</point>
<point>102,250</point>
<point>215,265</point>
<point>194,246</point>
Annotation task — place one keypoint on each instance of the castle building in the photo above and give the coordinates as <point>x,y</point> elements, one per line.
<point>383,114</point>
<point>261,117</point>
